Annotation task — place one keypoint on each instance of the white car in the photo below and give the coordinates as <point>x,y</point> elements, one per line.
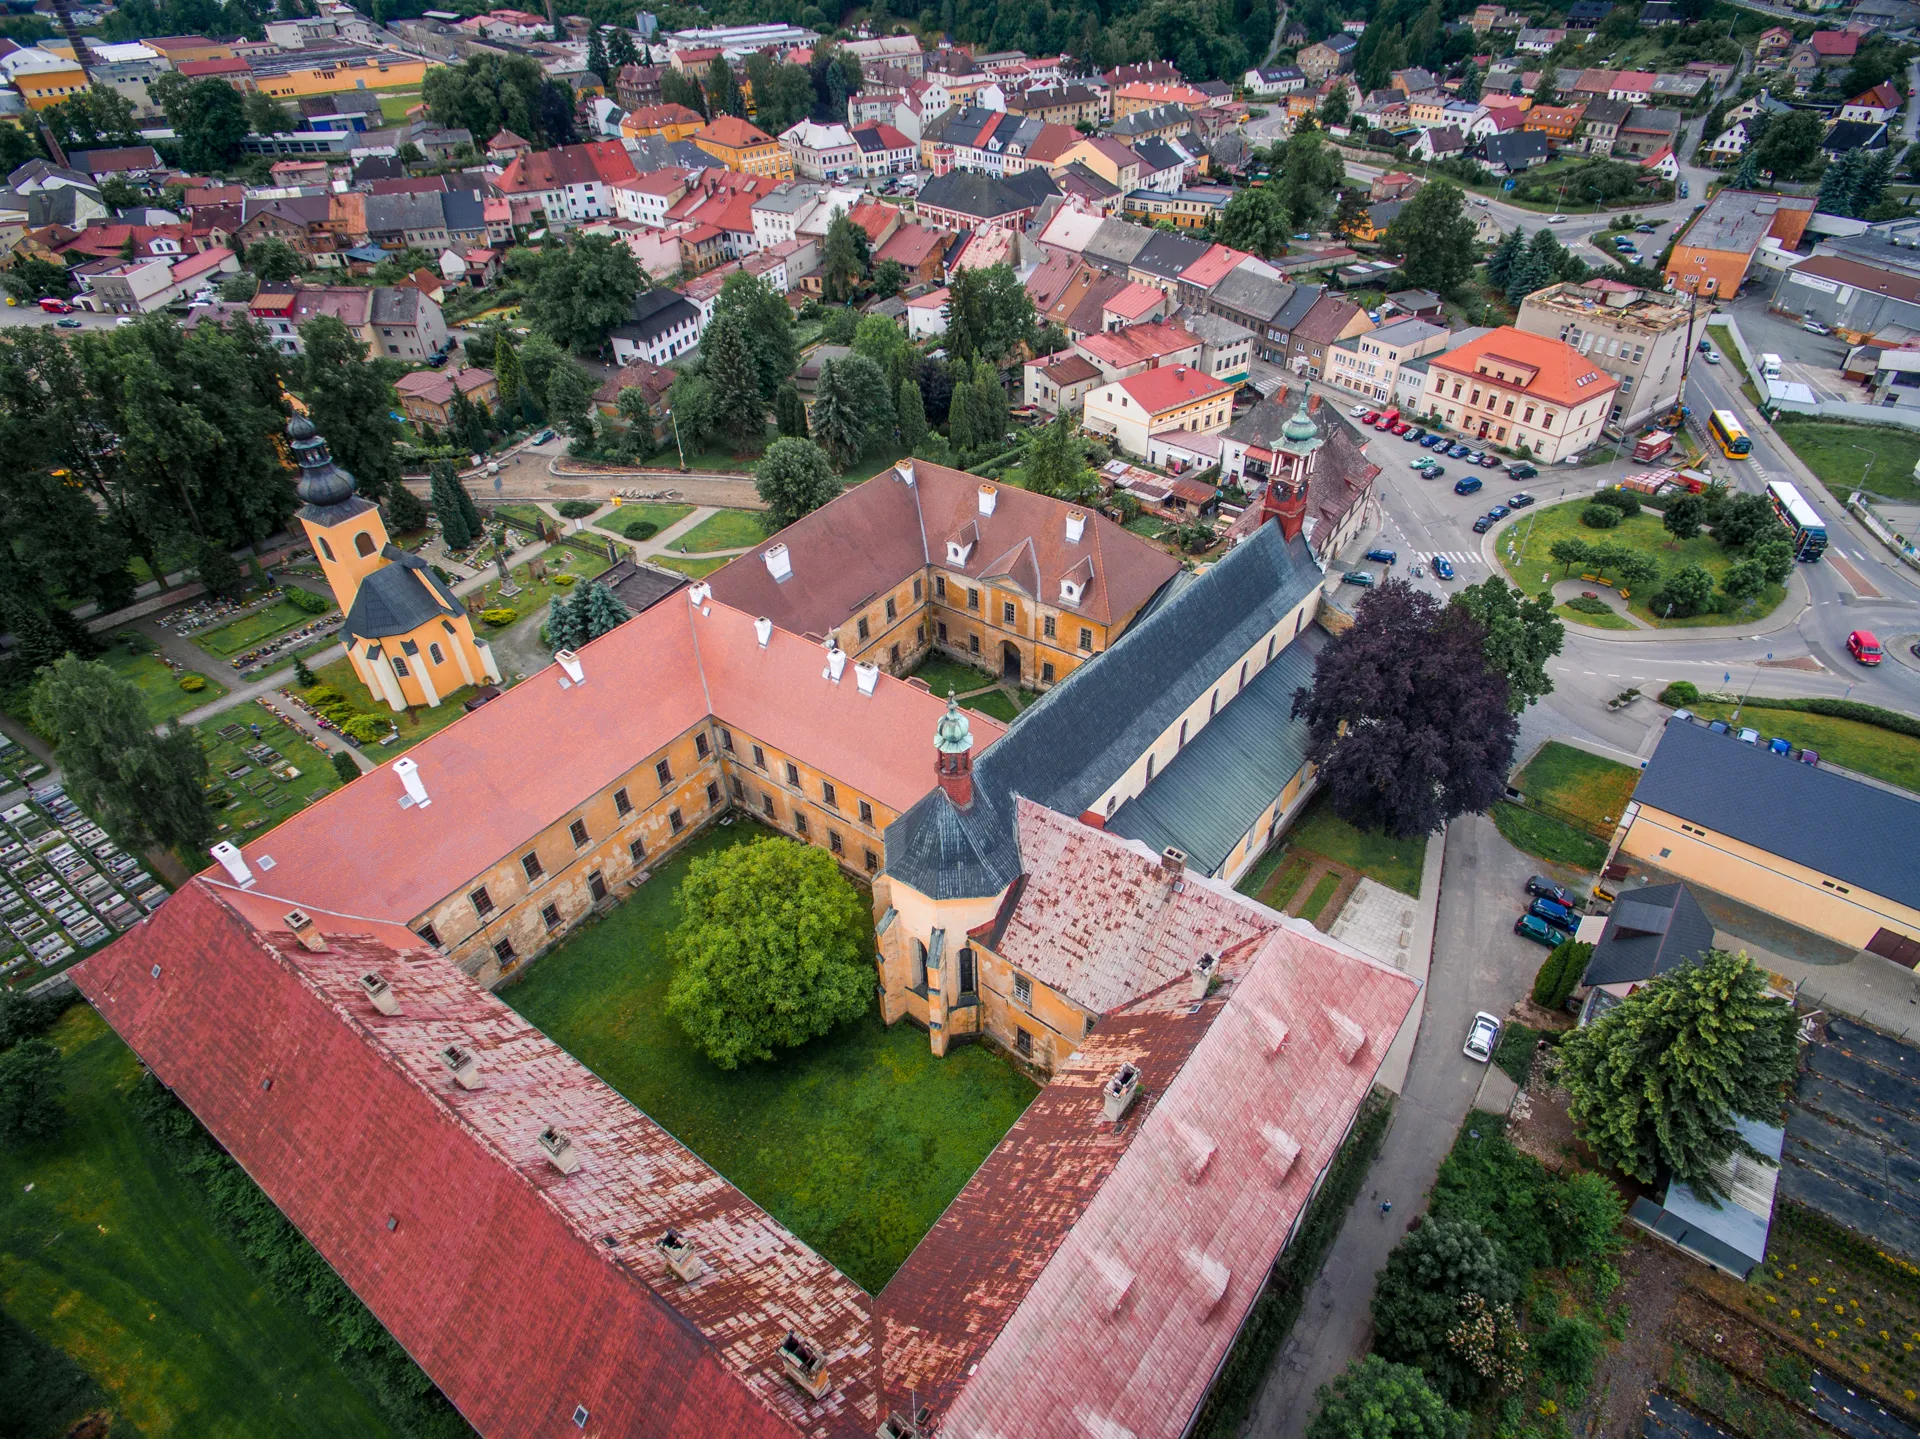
<point>1358,410</point>
<point>1482,1035</point>
<point>1713,357</point>
<point>1556,219</point>
<point>1480,200</point>
<point>1748,736</point>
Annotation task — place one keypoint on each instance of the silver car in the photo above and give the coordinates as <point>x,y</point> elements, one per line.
<point>1481,1037</point>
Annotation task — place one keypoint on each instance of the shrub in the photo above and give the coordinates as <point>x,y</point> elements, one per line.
<point>1419,1297</point>
<point>1680,692</point>
<point>322,694</point>
<point>498,616</point>
<point>31,1084</point>
<point>565,581</point>
<point>306,600</point>
<point>1567,1351</point>
<point>367,728</point>
<point>1560,973</point>
<point>1597,516</point>
<point>1846,709</point>
<point>192,684</point>
<point>1590,1217</point>
<point>576,509</point>
<point>638,528</point>
<point>1589,606</point>
<point>344,767</point>
<point>1625,501</point>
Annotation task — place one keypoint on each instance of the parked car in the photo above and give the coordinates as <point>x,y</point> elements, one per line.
<point>1492,462</point>
<point>1442,567</point>
<point>1458,452</point>
<point>1434,472</point>
<point>1556,219</point>
<point>1398,427</point>
<point>1713,357</point>
<point>1540,887</point>
<point>1432,442</point>
<point>1531,926</point>
<point>1644,229</point>
<point>1864,646</point>
<point>1385,557</point>
<point>1467,486</point>
<point>1720,727</point>
<point>1416,435</point>
<point>56,307</point>
<point>1482,1035</point>
<point>1748,736</point>
<point>1358,410</point>
<point>1483,524</point>
<point>1357,577</point>
<point>1554,913</point>
<point>541,438</point>
<point>1369,417</point>
<point>1519,501</point>
<point>1521,472</point>
<point>67,324</point>
<point>1776,745</point>
<point>1814,327</point>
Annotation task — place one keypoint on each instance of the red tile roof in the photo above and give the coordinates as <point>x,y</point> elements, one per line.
<point>201,69</point>
<point>1136,300</point>
<point>1171,386</point>
<point>910,245</point>
<point>1564,375</point>
<point>874,218</point>
<point>733,133</point>
<point>1214,266</point>
<point>1066,368</point>
<point>1834,42</point>
<point>1136,344</point>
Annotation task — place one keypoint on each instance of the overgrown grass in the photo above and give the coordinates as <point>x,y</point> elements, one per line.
<point>1832,450</point>
<point>250,630</point>
<point>108,1255</point>
<point>1287,883</point>
<point>942,674</point>
<point>1514,1052</point>
<point>242,802</point>
<point>1396,863</point>
<point>158,684</point>
<point>1870,750</point>
<point>537,594</point>
<point>1586,786</point>
<point>727,530</point>
<point>856,1142</point>
<point>1547,838</point>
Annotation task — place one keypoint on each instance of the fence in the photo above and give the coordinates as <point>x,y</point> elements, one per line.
<point>1882,531</point>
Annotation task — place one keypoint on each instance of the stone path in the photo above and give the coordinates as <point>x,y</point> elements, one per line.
<point>1565,590</point>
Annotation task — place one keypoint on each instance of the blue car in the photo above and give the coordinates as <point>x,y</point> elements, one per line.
<point>1483,524</point>
<point>1468,485</point>
<point>1385,557</point>
<point>1779,746</point>
<point>1554,913</point>
<point>1498,512</point>
<point>1458,452</point>
<point>1442,567</point>
<point>1431,440</point>
<point>1532,927</point>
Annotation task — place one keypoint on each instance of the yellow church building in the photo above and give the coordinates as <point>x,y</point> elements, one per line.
<point>407,634</point>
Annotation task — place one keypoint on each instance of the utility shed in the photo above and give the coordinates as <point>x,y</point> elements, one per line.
<point>1732,1237</point>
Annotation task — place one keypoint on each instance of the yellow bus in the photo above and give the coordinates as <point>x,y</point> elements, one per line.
<point>1727,434</point>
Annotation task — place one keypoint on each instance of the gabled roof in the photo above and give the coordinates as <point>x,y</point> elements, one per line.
<point>1881,97</point>
<point>731,132</point>
<point>1837,43</point>
<point>910,245</point>
<point>1848,135</point>
<point>1136,344</point>
<point>1171,386</point>
<point>1118,242</point>
<point>398,598</point>
<point>983,197</point>
<point>655,312</point>
<point>1562,374</point>
<point>1649,931</point>
<point>1248,292</point>
<point>1168,255</point>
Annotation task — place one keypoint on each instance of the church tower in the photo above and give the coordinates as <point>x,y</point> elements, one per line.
<point>407,634</point>
<point>1286,497</point>
<point>953,753</point>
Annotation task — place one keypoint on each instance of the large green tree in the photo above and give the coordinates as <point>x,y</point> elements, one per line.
<point>148,787</point>
<point>765,323</point>
<point>489,92</point>
<point>459,519</point>
<point>774,948</point>
<point>735,384</point>
<point>96,116</point>
<point>1657,1081</point>
<point>794,479</point>
<point>584,291</point>
<point>350,400</point>
<point>989,313</point>
<point>1433,237</point>
<point>1432,1278</point>
<point>1255,221</point>
<point>1056,461</point>
<point>208,116</point>
<point>1521,636</point>
<point>841,265</point>
<point>1377,1400</point>
<point>1308,173</point>
<point>31,1085</point>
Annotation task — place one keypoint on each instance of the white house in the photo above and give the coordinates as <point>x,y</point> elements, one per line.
<point>1662,164</point>
<point>777,217</point>
<point>1270,81</point>
<point>822,152</point>
<point>1438,144</point>
<point>927,315</point>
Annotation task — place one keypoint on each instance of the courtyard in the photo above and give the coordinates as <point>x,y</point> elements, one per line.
<point>856,1142</point>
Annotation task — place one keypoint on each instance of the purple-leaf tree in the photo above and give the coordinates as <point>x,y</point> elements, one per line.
<point>1407,724</point>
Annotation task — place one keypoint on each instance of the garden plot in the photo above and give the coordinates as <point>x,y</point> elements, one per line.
<point>1853,1135</point>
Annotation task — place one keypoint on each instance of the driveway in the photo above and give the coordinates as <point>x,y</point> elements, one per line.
<point>1478,963</point>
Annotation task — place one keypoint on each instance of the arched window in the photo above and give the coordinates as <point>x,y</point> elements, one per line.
<point>363,542</point>
<point>439,656</point>
<point>918,979</point>
<point>326,549</point>
<point>1149,769</point>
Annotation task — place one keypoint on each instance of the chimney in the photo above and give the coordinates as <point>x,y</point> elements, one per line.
<point>1313,404</point>
<point>1179,372</point>
<point>779,564</point>
<point>905,470</point>
<point>228,854</point>
<point>699,594</point>
<point>379,993</point>
<point>1076,526</point>
<point>1202,977</point>
<point>805,1365</point>
<point>305,933</point>
<point>867,677</point>
<point>1173,862</point>
<point>461,1064</point>
<point>1118,1093</point>
<point>559,1150</point>
<point>409,773</point>
<point>570,662</point>
<point>686,1265</point>
<point>836,662</point>
<point>989,494</point>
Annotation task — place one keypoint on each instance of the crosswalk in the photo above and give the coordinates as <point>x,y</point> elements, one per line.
<point>1458,557</point>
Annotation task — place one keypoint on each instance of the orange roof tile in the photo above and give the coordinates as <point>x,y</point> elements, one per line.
<point>1171,386</point>
<point>1563,375</point>
<point>733,133</point>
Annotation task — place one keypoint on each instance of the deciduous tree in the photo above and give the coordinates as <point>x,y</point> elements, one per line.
<point>1429,1278</point>
<point>274,261</point>
<point>31,1086</point>
<point>1377,1400</point>
<point>1255,221</point>
<point>1433,237</point>
<point>1657,1081</point>
<point>1521,636</point>
<point>766,324</point>
<point>774,948</point>
<point>841,266</point>
<point>209,117</point>
<point>1684,517</point>
<point>1056,462</point>
<point>350,400</point>
<point>793,479</point>
<point>584,291</point>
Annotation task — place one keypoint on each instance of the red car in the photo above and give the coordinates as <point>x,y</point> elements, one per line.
<point>1864,646</point>
<point>56,307</point>
<point>1398,427</point>
<point>1369,417</point>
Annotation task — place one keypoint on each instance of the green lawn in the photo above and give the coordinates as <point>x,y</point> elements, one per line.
<point>394,105</point>
<point>414,727</point>
<point>242,802</point>
<point>727,530</point>
<point>1317,901</point>
<point>250,630</point>
<point>530,517</point>
<point>873,464</point>
<point>107,1255</point>
<point>1396,863</point>
<point>697,569</point>
<point>1881,753</point>
<point>1547,838</point>
<point>1608,621</point>
<point>1590,788</point>
<point>537,594</point>
<point>943,674</point>
<point>1534,535</point>
<point>1832,450</point>
<point>661,516</point>
<point>856,1142</point>
<point>995,703</point>
<point>160,685</point>
<point>1147,527</point>
<point>722,462</point>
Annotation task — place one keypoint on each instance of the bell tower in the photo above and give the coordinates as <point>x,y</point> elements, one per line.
<point>347,532</point>
<point>1286,497</point>
<point>953,753</point>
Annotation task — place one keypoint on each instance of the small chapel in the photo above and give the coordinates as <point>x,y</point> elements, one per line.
<point>408,636</point>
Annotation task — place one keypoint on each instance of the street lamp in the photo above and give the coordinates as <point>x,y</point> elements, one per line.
<point>1871,457</point>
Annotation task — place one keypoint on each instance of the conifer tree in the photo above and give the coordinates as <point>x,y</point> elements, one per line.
<point>508,378</point>
<point>734,382</point>
<point>910,413</point>
<point>600,610</point>
<point>459,520</point>
<point>405,512</point>
<point>1500,263</point>
<point>790,413</point>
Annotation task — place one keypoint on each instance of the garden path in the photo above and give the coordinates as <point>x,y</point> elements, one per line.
<point>1572,590</point>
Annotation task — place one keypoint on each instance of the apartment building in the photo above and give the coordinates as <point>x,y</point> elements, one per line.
<point>1518,390</point>
<point>1639,337</point>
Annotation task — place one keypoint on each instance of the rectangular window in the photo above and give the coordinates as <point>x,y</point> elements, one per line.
<point>1006,612</point>
<point>1046,672</point>
<point>622,805</point>
<point>550,915</point>
<point>1049,626</point>
<point>793,774</point>
<point>943,632</point>
<point>766,805</point>
<point>726,740</point>
<point>429,934</point>
<point>861,626</point>
<point>940,586</point>
<point>1022,990</point>
<point>891,613</point>
<point>482,901</point>
<point>872,862</point>
<point>637,851</point>
<point>829,793</point>
<point>1022,1041</point>
<point>578,829</point>
<point>973,599</point>
<point>597,886</point>
<point>713,792</point>
<point>800,822</point>
<point>833,842</point>
<point>916,589</point>
<point>973,644</point>
<point>663,771</point>
<point>531,864</point>
<point>675,821</point>
<point>866,812</point>
<point>700,746</point>
<point>1086,638</point>
<point>503,951</point>
<point>968,981</point>
<point>759,757</point>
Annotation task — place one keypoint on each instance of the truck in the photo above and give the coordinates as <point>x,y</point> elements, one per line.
<point>1769,367</point>
<point>1653,445</point>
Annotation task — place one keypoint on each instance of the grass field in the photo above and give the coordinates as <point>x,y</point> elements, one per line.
<point>107,1255</point>
<point>857,1142</point>
<point>249,630</point>
<point>1317,901</point>
<point>1591,789</point>
<point>943,674</point>
<point>1608,621</point>
<point>526,516</point>
<point>1642,532</point>
<point>995,703</point>
<point>395,104</point>
<point>1396,863</point>
<point>160,685</point>
<point>414,727</point>
<point>1850,744</point>
<point>250,812</point>
<point>728,530</point>
<point>537,594</point>
<point>695,568</point>
<point>1832,449</point>
<point>662,516</point>
<point>1547,838</point>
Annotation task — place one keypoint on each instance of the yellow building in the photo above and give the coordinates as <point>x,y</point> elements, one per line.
<point>407,634</point>
<point>1172,397</point>
<point>669,122</point>
<point>740,146</point>
<point>379,70</point>
<point>45,87</point>
<point>1817,848</point>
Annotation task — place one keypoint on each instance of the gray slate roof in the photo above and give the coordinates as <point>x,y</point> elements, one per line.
<point>1858,833</point>
<point>983,196</point>
<point>1247,292</point>
<point>1082,735</point>
<point>1304,298</point>
<point>1649,932</point>
<point>1117,242</point>
<point>1168,255</point>
<point>394,601</point>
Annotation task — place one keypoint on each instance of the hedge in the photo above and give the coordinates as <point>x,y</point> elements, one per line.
<point>1843,709</point>
<point>306,600</point>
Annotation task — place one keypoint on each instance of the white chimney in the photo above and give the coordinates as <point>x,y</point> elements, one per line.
<point>1117,1094</point>
<point>1076,526</point>
<point>379,993</point>
<point>763,631</point>
<point>1202,976</point>
<point>461,1064</point>
<point>989,494</point>
<point>699,594</point>
<point>559,1150</point>
<point>905,470</point>
<point>409,773</point>
<point>228,854</point>
<point>686,1265</point>
<point>570,662</point>
<point>867,677</point>
<point>302,927</point>
<point>779,565</point>
<point>836,664</point>
<point>806,1366</point>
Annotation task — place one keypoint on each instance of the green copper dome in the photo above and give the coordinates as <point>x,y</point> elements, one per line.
<point>1300,431</point>
<point>953,735</point>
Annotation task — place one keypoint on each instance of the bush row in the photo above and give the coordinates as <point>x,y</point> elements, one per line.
<point>1685,692</point>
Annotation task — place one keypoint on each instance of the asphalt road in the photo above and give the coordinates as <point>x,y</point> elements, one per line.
<point>15,316</point>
